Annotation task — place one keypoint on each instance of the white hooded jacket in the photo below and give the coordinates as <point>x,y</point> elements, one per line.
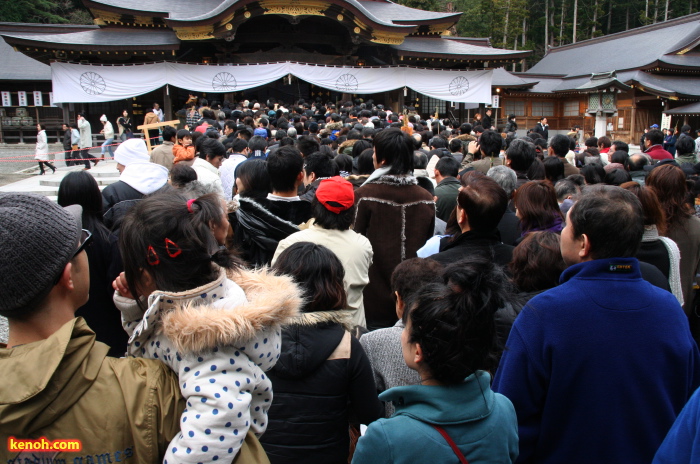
<point>220,339</point>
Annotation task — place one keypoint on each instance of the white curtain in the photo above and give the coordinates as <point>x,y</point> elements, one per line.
<point>221,79</point>
<point>78,83</point>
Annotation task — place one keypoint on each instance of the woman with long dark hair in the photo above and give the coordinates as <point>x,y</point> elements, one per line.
<point>80,188</point>
<point>656,249</point>
<point>668,182</point>
<point>323,376</point>
<point>125,126</point>
<point>537,207</point>
<point>537,264</point>
<point>450,339</point>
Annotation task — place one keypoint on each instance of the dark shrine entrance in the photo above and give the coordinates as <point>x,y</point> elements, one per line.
<point>271,38</point>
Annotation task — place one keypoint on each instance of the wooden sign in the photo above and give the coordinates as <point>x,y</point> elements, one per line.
<point>145,127</point>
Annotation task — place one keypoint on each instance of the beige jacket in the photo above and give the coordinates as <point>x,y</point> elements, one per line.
<point>352,249</point>
<point>65,387</point>
<point>163,155</point>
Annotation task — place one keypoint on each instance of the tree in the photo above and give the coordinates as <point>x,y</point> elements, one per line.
<point>44,11</point>
<point>30,11</point>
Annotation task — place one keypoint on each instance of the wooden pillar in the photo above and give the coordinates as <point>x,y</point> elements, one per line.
<point>167,104</point>
<point>633,115</point>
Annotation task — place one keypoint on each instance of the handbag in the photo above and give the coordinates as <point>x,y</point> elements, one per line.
<point>251,452</point>
<point>452,444</point>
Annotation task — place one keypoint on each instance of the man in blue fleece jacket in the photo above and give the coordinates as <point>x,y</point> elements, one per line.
<point>599,367</point>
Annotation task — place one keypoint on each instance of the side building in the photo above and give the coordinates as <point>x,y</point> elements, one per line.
<point>618,84</point>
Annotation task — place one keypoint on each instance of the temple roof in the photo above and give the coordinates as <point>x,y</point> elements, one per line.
<point>692,109</point>
<point>403,14</point>
<point>17,66</point>
<point>503,78</point>
<point>180,13</point>
<point>670,86</point>
<point>103,39</point>
<point>596,82</point>
<point>634,49</point>
<point>451,47</point>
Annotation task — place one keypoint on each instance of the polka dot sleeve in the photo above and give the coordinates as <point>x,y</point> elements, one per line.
<point>218,389</point>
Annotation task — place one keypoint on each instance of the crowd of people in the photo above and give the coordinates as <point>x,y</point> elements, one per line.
<point>268,280</point>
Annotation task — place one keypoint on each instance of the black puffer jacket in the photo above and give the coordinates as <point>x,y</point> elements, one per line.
<point>257,231</point>
<point>322,377</point>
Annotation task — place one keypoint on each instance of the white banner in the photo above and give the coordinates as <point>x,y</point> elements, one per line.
<point>456,86</point>
<point>223,79</point>
<point>22,97</point>
<point>38,100</point>
<point>350,79</point>
<point>6,99</point>
<point>77,83</point>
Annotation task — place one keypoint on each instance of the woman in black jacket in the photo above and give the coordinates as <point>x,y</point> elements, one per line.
<point>80,188</point>
<point>323,376</point>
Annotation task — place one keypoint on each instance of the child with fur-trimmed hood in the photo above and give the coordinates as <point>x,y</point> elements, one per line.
<point>215,324</point>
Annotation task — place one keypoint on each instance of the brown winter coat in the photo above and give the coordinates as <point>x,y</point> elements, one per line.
<point>398,217</point>
<point>163,155</point>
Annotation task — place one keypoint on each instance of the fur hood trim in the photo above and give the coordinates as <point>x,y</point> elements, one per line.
<point>272,300</point>
<point>347,143</point>
<point>394,180</point>
<point>340,316</point>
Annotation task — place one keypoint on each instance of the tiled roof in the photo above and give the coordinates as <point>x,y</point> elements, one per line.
<point>692,109</point>
<point>453,46</point>
<point>381,11</point>
<point>396,12</point>
<point>503,78</point>
<point>110,37</point>
<point>17,66</point>
<point>631,49</point>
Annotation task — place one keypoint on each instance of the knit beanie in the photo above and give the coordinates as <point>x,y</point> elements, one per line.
<point>131,151</point>
<point>37,240</point>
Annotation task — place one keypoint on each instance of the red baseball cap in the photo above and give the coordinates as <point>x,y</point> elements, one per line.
<point>336,194</point>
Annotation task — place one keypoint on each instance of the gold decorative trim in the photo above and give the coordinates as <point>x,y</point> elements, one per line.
<point>195,33</point>
<point>294,7</point>
<point>247,15</point>
<point>357,30</point>
<point>143,20</point>
<point>106,16</point>
<point>388,38</point>
<point>340,17</point>
<point>441,28</point>
<point>229,27</point>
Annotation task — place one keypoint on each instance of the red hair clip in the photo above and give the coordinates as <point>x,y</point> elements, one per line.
<point>152,256</point>
<point>189,205</point>
<point>172,248</point>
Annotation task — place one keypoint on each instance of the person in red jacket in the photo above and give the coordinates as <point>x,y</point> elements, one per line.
<point>653,145</point>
